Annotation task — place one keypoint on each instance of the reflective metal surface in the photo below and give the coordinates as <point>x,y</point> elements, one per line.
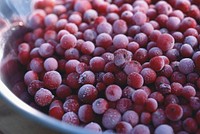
<point>8,33</point>
<point>7,56</point>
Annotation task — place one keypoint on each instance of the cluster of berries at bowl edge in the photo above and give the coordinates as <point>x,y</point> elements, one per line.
<point>119,66</point>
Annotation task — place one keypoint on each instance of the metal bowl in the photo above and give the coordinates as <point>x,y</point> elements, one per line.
<point>8,70</point>
<point>10,67</point>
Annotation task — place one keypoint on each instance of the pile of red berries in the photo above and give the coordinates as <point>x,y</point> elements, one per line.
<point>124,66</point>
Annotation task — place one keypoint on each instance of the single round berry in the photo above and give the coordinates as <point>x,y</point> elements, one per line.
<point>100,105</point>
<point>135,80</point>
<point>87,93</point>
<point>174,112</point>
<point>63,91</point>
<point>149,75</point>
<point>123,127</point>
<point>36,65</point>
<point>56,110</point>
<point>50,64</point>
<point>151,105</point>
<point>52,79</point>
<point>68,41</point>
<point>87,47</point>
<point>186,66</point>
<point>43,97</point>
<point>159,117</point>
<point>165,42</point>
<point>145,118</point>
<point>113,93</point>
<point>164,129</point>
<point>104,27</point>
<point>190,125</point>
<point>132,66</point>
<point>120,41</point>
<point>71,118</point>
<point>157,63</point>
<point>97,64</point>
<point>30,76</point>
<point>71,105</point>
<point>111,118</point>
<point>123,105</point>
<point>139,97</point>
<point>120,27</point>
<point>34,86</point>
<point>104,40</point>
<point>85,113</point>
<point>140,129</point>
<point>121,56</point>
<point>46,50</point>
<point>188,91</point>
<point>93,127</point>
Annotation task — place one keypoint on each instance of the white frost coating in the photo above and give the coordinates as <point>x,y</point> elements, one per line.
<point>164,129</point>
